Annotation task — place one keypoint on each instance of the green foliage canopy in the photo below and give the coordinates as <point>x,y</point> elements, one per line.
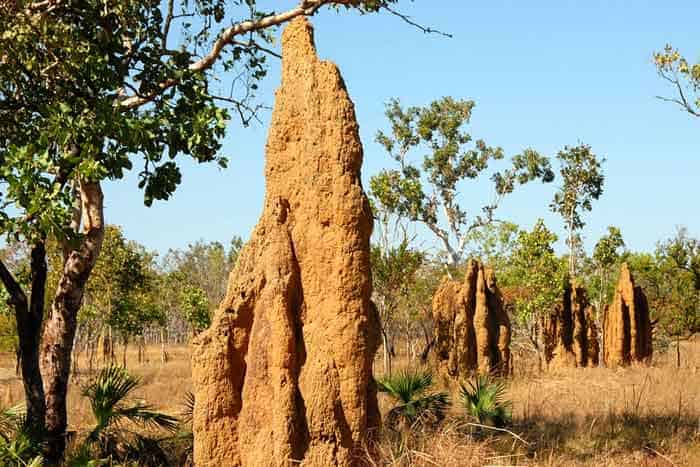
<point>582,183</point>
<point>195,307</point>
<point>427,191</point>
<point>606,251</point>
<point>63,73</point>
<point>536,272</point>
<point>683,77</point>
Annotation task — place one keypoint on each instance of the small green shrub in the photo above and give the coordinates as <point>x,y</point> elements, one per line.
<point>113,408</point>
<point>415,404</point>
<point>484,399</point>
<point>19,441</point>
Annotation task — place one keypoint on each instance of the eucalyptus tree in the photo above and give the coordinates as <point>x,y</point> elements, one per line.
<point>494,244</point>
<point>582,183</point>
<point>670,278</point>
<point>205,265</point>
<point>196,308</point>
<point>683,77</point>
<point>87,90</point>
<point>121,291</point>
<point>606,254</point>
<point>538,276</point>
<point>427,190</point>
<point>394,272</point>
<point>679,261</point>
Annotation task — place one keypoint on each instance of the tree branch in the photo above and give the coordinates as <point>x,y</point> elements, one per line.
<point>683,102</point>
<point>17,295</point>
<point>410,21</point>
<point>168,21</point>
<point>39,273</point>
<point>442,235</point>
<point>304,8</point>
<point>257,46</point>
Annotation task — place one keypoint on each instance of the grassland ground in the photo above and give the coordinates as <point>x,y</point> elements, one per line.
<point>638,416</point>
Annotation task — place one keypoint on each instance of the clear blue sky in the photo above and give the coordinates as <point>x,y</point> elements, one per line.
<point>544,75</point>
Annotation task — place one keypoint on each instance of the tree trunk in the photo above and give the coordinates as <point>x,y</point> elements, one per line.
<point>91,355</point>
<point>126,343</point>
<point>387,353</point>
<point>163,352</point>
<point>537,343</point>
<point>142,349</point>
<point>76,353</point>
<point>29,315</point>
<point>429,342</point>
<point>18,361</point>
<point>599,322</point>
<point>59,331</point>
<point>572,257</point>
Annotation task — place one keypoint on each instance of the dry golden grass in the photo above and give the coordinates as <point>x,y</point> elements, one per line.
<point>163,385</point>
<point>636,416</point>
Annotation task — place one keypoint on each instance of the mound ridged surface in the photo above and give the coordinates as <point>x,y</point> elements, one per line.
<point>284,374</point>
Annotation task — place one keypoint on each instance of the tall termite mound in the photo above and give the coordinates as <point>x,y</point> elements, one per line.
<point>570,335</point>
<point>472,329</point>
<point>284,374</point>
<point>627,329</point>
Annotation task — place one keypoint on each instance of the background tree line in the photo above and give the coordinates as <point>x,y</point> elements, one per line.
<point>435,158</point>
<point>134,296</point>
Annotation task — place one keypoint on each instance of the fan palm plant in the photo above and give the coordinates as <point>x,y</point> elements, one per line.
<point>8,421</point>
<point>19,441</point>
<point>111,404</point>
<point>187,413</point>
<point>414,403</point>
<point>485,400</point>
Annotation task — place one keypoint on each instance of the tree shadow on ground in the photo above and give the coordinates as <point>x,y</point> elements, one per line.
<point>585,438</point>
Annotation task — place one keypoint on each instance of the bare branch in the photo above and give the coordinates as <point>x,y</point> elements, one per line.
<point>409,20</point>
<point>503,430</point>
<point>257,46</point>
<point>683,101</point>
<point>166,25</point>
<point>242,107</point>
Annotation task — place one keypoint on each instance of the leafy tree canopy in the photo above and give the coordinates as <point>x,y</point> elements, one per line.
<point>582,183</point>
<point>606,251</point>
<point>92,89</point>
<point>536,272</point>
<point>683,77</point>
<point>426,190</point>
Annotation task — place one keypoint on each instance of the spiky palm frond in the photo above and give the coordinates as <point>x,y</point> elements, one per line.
<point>414,405</point>
<point>187,413</point>
<point>83,456</point>
<point>146,415</point>
<point>145,451</point>
<point>485,400</point>
<point>109,399</point>
<point>22,445</point>
<point>10,419</point>
<point>405,386</point>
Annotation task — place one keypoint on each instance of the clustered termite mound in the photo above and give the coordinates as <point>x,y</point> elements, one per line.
<point>472,328</point>
<point>284,374</point>
<point>570,332</point>
<point>627,327</point>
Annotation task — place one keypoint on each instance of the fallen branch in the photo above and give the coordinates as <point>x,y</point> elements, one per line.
<point>479,425</point>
